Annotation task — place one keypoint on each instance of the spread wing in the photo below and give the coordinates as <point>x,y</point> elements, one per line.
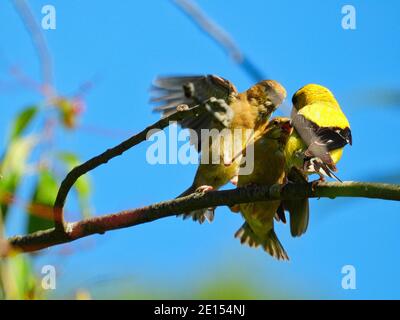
<point>214,92</point>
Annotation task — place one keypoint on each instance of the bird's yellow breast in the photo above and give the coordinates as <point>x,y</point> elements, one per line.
<point>269,164</point>
<point>294,151</point>
<point>295,148</point>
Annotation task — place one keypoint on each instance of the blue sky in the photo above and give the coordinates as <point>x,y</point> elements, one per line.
<point>124,45</point>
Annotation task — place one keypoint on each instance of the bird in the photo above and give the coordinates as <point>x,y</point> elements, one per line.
<point>321,131</point>
<point>269,169</point>
<point>226,109</point>
<point>315,146</point>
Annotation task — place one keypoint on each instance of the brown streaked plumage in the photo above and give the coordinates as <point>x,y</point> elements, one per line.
<point>269,169</point>
<point>228,109</point>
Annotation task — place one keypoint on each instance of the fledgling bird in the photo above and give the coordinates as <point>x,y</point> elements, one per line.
<point>269,169</point>
<point>227,109</point>
<point>315,146</point>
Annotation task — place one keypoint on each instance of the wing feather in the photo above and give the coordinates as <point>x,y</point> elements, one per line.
<point>213,91</point>
<point>320,142</point>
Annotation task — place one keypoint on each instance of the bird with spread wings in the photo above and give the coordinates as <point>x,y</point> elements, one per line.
<point>315,146</point>
<point>227,109</point>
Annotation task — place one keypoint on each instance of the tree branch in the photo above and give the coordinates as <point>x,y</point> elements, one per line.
<point>101,224</point>
<point>77,172</point>
<point>39,42</point>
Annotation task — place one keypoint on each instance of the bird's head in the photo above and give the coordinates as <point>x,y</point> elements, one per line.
<point>312,93</point>
<point>266,95</point>
<point>279,128</point>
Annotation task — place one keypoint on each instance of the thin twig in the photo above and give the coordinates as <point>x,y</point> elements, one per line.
<point>109,154</point>
<point>211,28</point>
<point>39,43</point>
<point>100,225</point>
<point>220,36</point>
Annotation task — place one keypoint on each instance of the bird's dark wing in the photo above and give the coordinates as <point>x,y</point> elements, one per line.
<point>320,141</point>
<point>308,131</point>
<point>212,91</point>
<point>334,138</point>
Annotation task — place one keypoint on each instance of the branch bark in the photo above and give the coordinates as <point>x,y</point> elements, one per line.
<point>101,224</point>
<point>77,172</point>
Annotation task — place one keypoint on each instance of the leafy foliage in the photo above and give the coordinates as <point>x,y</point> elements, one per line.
<point>22,121</point>
<point>19,281</point>
<point>17,277</point>
<point>82,185</point>
<point>40,207</point>
<point>12,168</point>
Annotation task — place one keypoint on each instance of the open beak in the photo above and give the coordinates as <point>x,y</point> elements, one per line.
<point>287,127</point>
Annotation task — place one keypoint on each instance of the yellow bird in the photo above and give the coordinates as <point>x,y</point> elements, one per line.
<point>315,146</point>
<point>322,130</point>
<point>269,169</point>
<point>228,109</point>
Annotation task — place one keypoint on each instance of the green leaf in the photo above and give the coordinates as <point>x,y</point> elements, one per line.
<point>42,201</point>
<point>8,187</point>
<point>82,185</point>
<point>12,169</point>
<point>22,121</point>
<point>20,278</point>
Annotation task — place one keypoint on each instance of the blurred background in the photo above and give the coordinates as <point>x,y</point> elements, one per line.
<point>68,94</point>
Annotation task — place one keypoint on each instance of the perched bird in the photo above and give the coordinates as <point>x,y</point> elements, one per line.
<point>269,169</point>
<point>315,146</point>
<point>227,109</point>
<point>322,130</point>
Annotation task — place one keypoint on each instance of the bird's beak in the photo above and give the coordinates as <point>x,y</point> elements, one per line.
<point>287,127</point>
<point>349,139</point>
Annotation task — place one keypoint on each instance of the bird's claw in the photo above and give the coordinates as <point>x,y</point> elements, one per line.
<point>204,189</point>
<point>315,183</point>
<point>182,107</point>
<point>235,180</point>
<point>235,208</point>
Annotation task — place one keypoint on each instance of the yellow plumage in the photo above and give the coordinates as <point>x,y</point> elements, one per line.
<point>315,146</point>
<point>319,107</point>
<point>325,115</point>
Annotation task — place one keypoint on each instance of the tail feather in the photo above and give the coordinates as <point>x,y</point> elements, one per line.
<point>280,213</point>
<point>299,215</point>
<point>270,243</point>
<point>200,215</point>
<point>317,166</point>
<point>299,210</point>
